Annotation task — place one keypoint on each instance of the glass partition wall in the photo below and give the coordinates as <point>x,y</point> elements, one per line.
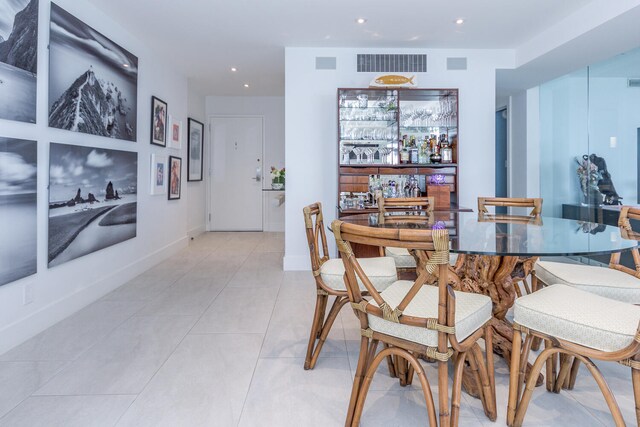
<point>589,137</point>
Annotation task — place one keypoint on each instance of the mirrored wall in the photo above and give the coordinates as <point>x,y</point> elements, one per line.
<point>589,137</point>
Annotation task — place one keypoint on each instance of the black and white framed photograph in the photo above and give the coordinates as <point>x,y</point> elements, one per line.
<point>18,59</point>
<point>158,174</point>
<point>175,177</point>
<point>92,200</point>
<point>195,146</point>
<point>18,209</point>
<point>93,82</point>
<point>158,122</point>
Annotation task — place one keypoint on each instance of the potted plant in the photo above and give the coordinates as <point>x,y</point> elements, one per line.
<point>277,178</point>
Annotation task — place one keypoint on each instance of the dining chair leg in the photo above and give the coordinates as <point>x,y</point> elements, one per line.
<point>475,371</point>
<point>524,361</point>
<point>488,339</point>
<point>635,379</point>
<point>531,384</point>
<point>456,388</point>
<point>357,379</point>
<point>443,393</point>
<point>565,371</point>
<point>605,390</point>
<point>325,329</point>
<point>514,376</point>
<point>488,392</point>
<point>391,364</point>
<point>551,367</point>
<point>316,327</point>
<point>574,374</point>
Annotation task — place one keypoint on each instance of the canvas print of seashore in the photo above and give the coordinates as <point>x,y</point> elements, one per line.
<point>18,59</point>
<point>93,82</point>
<point>18,208</point>
<point>92,200</point>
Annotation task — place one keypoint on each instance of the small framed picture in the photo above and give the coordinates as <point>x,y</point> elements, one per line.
<point>195,147</point>
<point>175,174</point>
<point>158,174</point>
<point>158,122</point>
<point>175,133</point>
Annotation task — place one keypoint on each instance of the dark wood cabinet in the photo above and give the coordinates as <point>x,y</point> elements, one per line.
<point>371,124</point>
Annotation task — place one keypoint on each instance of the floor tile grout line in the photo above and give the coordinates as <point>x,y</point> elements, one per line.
<point>170,355</point>
<point>253,373</point>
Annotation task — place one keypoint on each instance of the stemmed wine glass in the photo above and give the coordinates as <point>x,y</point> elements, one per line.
<point>370,151</point>
<point>344,150</point>
<point>358,151</point>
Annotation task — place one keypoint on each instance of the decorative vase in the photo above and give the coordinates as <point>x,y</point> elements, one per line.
<point>277,183</point>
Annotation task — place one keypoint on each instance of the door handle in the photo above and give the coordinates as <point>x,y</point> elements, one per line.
<point>258,176</point>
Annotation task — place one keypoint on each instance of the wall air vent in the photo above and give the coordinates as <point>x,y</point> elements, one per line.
<point>325,62</point>
<point>633,82</point>
<point>392,63</point>
<point>456,63</point>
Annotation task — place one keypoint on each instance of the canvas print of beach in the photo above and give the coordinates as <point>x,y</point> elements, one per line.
<point>18,208</point>
<point>18,59</point>
<point>92,200</point>
<point>93,82</point>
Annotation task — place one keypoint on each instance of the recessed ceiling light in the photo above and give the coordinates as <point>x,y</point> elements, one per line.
<point>125,65</point>
<point>234,69</point>
<point>246,85</point>
<point>459,21</point>
<point>361,20</point>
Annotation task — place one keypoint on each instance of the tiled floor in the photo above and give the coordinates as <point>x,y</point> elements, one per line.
<point>216,336</point>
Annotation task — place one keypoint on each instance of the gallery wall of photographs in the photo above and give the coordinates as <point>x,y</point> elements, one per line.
<point>93,191</point>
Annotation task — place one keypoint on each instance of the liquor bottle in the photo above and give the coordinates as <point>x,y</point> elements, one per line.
<point>404,151</point>
<point>447,152</point>
<point>436,157</point>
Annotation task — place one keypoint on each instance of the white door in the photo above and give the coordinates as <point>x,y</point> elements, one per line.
<point>236,174</point>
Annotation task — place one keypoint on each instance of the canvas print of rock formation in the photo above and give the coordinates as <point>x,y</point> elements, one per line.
<point>92,200</point>
<point>18,59</point>
<point>93,82</point>
<point>18,208</point>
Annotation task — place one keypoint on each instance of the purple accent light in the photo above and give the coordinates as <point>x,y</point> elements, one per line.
<point>439,225</point>
<point>437,179</point>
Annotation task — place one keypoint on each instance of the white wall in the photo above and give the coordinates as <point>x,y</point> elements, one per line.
<point>311,128</point>
<point>271,108</point>
<point>196,190</point>
<point>162,224</point>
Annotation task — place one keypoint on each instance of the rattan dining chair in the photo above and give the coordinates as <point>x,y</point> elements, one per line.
<point>405,262</point>
<point>616,281</point>
<point>574,324</point>
<point>412,319</point>
<point>329,278</point>
<point>534,214</point>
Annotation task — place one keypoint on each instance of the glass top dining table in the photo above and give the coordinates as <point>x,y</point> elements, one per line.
<point>502,235</point>
<point>497,251</point>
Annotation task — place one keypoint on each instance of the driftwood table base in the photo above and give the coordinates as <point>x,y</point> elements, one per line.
<point>495,277</point>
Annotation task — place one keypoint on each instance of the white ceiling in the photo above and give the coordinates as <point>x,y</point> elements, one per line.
<point>207,37</point>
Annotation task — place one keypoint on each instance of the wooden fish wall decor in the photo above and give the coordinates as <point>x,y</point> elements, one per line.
<point>395,80</point>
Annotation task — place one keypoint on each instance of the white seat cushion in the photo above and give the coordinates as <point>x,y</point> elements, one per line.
<point>578,316</point>
<point>472,311</point>
<point>404,259</point>
<point>381,271</point>
<point>603,281</point>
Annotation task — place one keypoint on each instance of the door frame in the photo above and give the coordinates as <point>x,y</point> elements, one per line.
<point>209,159</point>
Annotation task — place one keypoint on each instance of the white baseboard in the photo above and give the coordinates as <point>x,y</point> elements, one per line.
<point>296,263</point>
<point>21,330</point>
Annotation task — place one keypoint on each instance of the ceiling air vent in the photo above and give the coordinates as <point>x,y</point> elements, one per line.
<point>456,63</point>
<point>392,63</point>
<point>325,62</point>
<point>633,82</point>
